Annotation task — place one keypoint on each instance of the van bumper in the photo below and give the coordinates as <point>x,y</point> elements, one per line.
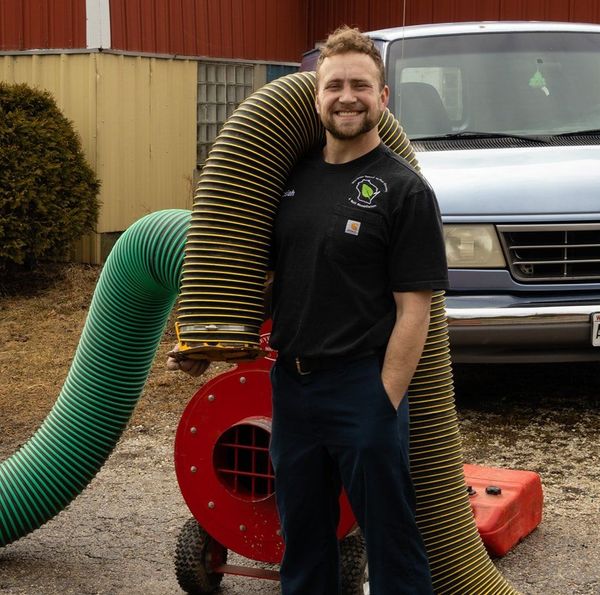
<point>484,332</point>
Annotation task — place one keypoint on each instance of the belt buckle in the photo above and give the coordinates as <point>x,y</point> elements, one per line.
<point>299,368</point>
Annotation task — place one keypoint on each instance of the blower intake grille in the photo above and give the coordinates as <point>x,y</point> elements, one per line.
<point>242,463</point>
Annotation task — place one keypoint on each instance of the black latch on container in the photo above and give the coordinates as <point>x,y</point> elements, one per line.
<point>493,490</point>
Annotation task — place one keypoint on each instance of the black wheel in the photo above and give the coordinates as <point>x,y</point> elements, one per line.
<point>196,555</point>
<point>353,564</point>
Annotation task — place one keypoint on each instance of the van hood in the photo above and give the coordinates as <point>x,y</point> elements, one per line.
<point>543,183</point>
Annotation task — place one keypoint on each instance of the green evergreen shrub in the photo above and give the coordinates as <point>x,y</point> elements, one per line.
<point>48,192</point>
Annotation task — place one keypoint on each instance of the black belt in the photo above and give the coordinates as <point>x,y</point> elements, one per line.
<point>306,365</point>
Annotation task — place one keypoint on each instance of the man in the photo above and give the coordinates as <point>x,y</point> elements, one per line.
<point>357,251</point>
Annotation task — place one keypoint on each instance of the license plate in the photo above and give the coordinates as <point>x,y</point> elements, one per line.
<point>596,329</point>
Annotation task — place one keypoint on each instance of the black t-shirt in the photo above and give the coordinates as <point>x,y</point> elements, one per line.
<point>346,236</point>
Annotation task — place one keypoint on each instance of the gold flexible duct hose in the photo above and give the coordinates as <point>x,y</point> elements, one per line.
<point>221,308</point>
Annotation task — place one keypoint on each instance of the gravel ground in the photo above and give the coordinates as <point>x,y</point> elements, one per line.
<point>118,537</point>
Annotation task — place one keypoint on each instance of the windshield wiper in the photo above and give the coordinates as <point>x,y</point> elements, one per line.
<point>590,132</point>
<point>477,134</point>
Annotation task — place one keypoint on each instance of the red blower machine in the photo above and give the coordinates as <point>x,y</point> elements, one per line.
<point>226,478</point>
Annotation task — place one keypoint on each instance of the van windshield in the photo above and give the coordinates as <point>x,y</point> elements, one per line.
<point>530,83</point>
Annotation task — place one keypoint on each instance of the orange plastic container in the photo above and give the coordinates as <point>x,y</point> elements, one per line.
<point>507,505</point>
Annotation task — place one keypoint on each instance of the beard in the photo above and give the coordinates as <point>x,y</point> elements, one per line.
<point>342,133</point>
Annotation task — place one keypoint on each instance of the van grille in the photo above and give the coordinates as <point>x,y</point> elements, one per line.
<point>464,144</point>
<point>553,252</point>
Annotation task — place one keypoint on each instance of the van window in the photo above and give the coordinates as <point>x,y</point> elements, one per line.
<point>446,80</point>
<point>516,83</point>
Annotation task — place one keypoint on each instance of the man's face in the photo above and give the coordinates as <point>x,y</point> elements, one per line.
<point>349,99</point>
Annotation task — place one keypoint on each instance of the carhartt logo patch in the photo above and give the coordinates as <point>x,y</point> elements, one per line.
<point>352,227</point>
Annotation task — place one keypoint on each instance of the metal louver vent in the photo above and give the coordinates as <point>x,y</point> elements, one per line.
<point>552,252</point>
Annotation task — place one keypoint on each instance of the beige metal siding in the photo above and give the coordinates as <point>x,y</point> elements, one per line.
<point>146,136</point>
<point>136,117</point>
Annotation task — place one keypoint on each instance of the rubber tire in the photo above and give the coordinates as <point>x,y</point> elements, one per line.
<point>353,564</point>
<point>193,559</point>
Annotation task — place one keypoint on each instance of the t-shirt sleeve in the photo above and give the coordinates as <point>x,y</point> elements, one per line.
<point>417,252</point>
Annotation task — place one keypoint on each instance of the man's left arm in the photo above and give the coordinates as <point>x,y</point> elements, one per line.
<point>406,342</point>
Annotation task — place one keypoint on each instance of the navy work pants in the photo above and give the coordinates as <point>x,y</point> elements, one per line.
<point>338,427</point>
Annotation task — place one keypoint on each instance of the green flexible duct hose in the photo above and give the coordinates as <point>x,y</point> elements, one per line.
<point>132,301</point>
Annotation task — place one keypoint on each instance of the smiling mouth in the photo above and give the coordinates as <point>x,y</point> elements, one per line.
<point>347,114</point>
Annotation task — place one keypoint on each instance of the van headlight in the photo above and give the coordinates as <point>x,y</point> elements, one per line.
<point>473,246</point>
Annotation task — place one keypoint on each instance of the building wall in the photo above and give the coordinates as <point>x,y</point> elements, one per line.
<point>368,15</point>
<point>437,11</point>
<point>136,117</point>
<point>269,30</point>
<point>273,30</point>
<point>146,145</point>
<point>42,24</point>
<point>266,30</point>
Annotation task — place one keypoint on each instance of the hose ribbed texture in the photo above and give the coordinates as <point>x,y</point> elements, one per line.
<point>132,301</point>
<point>220,308</point>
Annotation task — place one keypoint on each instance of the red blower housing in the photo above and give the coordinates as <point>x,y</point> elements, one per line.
<point>223,465</point>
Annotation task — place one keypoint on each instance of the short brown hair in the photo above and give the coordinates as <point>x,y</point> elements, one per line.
<point>348,39</point>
